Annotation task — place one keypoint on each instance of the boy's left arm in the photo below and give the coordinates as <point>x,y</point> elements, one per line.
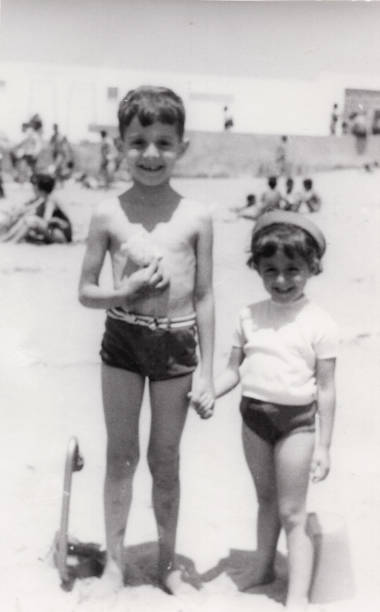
<point>203,386</point>
<point>325,378</point>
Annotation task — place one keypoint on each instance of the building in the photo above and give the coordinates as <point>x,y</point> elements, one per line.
<point>83,99</point>
<point>369,100</point>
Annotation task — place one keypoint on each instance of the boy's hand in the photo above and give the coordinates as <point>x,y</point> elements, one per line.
<point>146,280</point>
<point>320,465</point>
<point>202,399</point>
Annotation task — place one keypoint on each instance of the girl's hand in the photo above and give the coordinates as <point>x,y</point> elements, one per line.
<point>320,465</point>
<point>202,399</point>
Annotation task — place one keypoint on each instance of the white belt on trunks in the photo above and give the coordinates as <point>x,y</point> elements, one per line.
<point>150,321</point>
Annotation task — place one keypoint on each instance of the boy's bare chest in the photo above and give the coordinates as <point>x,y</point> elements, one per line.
<point>170,233</point>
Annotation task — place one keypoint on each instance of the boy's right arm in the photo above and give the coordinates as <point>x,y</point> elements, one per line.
<point>142,281</point>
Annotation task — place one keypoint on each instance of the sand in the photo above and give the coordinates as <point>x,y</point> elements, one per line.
<point>50,390</point>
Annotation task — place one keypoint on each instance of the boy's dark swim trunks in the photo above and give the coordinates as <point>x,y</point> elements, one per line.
<point>275,421</point>
<point>160,352</point>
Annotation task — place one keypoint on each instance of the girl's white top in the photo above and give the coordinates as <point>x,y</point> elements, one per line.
<point>282,343</point>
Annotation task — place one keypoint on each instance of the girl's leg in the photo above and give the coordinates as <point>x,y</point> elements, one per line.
<point>122,396</point>
<point>169,404</point>
<point>260,459</point>
<point>293,456</point>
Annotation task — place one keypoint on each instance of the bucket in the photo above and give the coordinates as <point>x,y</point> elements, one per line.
<point>332,578</point>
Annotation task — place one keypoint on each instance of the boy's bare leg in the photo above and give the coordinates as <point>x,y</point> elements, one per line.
<point>122,396</point>
<point>259,455</point>
<point>293,457</point>
<point>169,404</point>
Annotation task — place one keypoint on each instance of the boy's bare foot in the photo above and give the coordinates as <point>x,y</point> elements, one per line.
<point>173,584</point>
<point>251,578</point>
<point>109,583</point>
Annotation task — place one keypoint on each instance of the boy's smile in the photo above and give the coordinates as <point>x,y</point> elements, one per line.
<point>284,278</point>
<point>151,151</point>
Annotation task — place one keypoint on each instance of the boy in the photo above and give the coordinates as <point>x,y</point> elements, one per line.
<point>109,155</point>
<point>159,296</point>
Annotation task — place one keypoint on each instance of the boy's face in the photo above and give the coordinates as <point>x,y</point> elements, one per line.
<point>284,278</point>
<point>152,151</point>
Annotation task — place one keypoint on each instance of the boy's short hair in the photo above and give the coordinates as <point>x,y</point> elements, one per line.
<point>149,104</point>
<point>43,181</point>
<point>292,240</point>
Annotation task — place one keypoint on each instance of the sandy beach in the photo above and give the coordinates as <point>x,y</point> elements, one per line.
<point>50,391</point>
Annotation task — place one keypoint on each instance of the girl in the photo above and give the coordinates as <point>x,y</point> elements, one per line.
<point>287,346</point>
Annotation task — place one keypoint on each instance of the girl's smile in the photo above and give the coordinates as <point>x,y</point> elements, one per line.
<point>284,278</point>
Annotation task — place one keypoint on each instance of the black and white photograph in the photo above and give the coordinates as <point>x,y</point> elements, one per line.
<point>189,305</point>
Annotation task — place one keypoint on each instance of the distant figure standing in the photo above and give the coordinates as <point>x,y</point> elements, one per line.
<point>24,155</point>
<point>281,157</point>
<point>228,119</point>
<point>2,192</point>
<point>55,142</point>
<point>62,155</point>
<point>360,128</point>
<point>334,120</point>
<point>109,156</point>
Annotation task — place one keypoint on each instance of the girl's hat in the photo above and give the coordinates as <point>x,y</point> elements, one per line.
<point>291,218</point>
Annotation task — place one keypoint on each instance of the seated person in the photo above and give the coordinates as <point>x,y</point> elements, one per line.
<point>289,198</point>
<point>250,201</point>
<point>308,198</point>
<point>270,200</point>
<point>43,221</point>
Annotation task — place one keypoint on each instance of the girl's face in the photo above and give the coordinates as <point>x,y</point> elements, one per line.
<point>284,278</point>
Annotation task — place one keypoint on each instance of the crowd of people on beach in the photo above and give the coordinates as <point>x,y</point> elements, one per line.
<point>304,200</point>
<point>48,165</point>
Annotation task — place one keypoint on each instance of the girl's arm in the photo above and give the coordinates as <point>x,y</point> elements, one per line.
<point>325,379</point>
<point>91,294</point>
<point>204,403</point>
<point>231,376</point>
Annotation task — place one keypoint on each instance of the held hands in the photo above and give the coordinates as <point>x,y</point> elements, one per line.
<point>320,465</point>
<point>202,398</point>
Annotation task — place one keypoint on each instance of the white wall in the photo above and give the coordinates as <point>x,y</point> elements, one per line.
<point>76,96</point>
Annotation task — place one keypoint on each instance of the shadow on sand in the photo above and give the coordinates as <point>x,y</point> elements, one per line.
<point>140,568</point>
<point>239,563</point>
